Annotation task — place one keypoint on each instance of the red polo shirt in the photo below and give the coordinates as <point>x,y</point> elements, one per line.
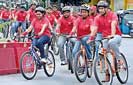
<point>83,26</point>
<point>38,24</point>
<point>21,16</point>
<point>51,19</point>
<point>56,14</point>
<point>66,24</point>
<point>5,14</point>
<point>32,14</point>
<point>104,23</point>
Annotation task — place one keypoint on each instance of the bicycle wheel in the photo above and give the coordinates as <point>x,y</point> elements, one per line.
<point>70,60</point>
<point>28,66</point>
<point>121,67</point>
<point>49,67</point>
<point>54,46</point>
<point>100,71</point>
<point>89,69</point>
<point>80,67</point>
<point>90,64</point>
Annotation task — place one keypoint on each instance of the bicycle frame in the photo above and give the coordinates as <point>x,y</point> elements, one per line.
<point>35,55</point>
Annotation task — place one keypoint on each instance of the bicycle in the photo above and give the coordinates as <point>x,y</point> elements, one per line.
<point>31,61</point>
<point>83,66</point>
<point>54,46</point>
<point>69,47</point>
<point>102,65</point>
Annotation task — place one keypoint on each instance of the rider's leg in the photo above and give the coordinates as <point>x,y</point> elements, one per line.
<point>40,44</point>
<point>76,47</point>
<point>60,43</point>
<point>16,26</point>
<point>24,26</point>
<point>114,46</point>
<point>87,46</point>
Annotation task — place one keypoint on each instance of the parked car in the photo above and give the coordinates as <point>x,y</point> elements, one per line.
<point>126,22</point>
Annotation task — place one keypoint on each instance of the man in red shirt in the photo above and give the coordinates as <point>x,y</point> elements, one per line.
<point>41,30</point>
<point>83,28</point>
<point>52,19</point>
<point>64,27</point>
<point>107,24</point>
<point>55,12</point>
<point>5,14</point>
<point>31,12</point>
<point>93,12</point>
<point>20,18</point>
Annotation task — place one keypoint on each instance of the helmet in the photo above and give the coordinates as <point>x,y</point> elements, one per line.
<point>87,8</point>
<point>34,3</point>
<point>66,8</point>
<point>102,4</point>
<point>41,9</point>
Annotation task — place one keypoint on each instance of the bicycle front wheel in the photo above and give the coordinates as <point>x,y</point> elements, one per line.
<point>28,66</point>
<point>121,67</point>
<point>102,71</point>
<point>80,67</point>
<point>49,67</point>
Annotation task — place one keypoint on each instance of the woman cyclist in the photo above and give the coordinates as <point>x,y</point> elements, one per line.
<point>41,30</point>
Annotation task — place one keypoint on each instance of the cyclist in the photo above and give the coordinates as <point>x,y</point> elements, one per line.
<point>93,12</point>
<point>55,12</point>
<point>41,29</point>
<point>52,19</point>
<point>31,12</point>
<point>107,23</point>
<point>5,14</point>
<point>64,27</point>
<point>20,18</point>
<point>84,31</point>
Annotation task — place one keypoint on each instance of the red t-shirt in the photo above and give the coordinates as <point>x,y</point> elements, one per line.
<point>66,24</point>
<point>51,19</point>
<point>93,16</point>
<point>5,14</point>
<point>21,16</point>
<point>104,23</point>
<point>32,14</point>
<point>56,14</point>
<point>83,26</point>
<point>38,24</point>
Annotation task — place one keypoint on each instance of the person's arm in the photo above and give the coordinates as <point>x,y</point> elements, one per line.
<point>93,28</point>
<point>27,31</point>
<point>74,29</point>
<point>58,26</point>
<point>113,28</point>
<point>113,25</point>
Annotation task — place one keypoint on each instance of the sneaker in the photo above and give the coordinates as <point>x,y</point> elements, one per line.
<point>44,60</point>
<point>63,62</point>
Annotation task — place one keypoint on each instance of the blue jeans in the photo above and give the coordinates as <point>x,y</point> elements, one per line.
<point>39,43</point>
<point>97,39</point>
<point>18,24</point>
<point>60,43</point>
<point>113,44</point>
<point>77,45</point>
<point>13,27</point>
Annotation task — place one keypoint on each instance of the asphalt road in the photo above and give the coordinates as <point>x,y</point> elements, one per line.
<point>63,77</point>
